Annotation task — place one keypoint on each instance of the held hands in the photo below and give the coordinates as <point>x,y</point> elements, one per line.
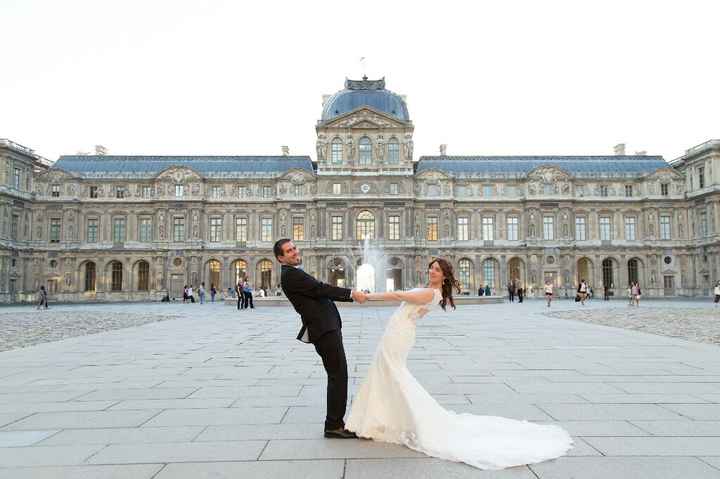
<point>359,296</point>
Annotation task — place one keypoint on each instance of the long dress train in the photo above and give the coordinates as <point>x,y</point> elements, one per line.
<point>391,406</point>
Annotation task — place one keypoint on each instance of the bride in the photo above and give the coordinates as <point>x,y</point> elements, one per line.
<point>391,406</point>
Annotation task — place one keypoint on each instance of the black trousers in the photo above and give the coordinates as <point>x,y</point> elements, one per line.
<point>330,348</point>
<point>247,300</point>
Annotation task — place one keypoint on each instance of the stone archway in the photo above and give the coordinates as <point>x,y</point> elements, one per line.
<point>516,272</point>
<point>394,274</point>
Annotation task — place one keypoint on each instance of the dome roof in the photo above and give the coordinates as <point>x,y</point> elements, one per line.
<point>372,93</point>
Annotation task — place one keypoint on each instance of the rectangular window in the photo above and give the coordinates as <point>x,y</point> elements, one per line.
<point>630,228</point>
<point>337,188</point>
<point>55,191</point>
<point>241,229</point>
<point>548,228</point>
<point>463,232</point>
<point>118,230</point>
<point>266,232</point>
<point>394,227</point>
<point>488,191</point>
<point>14,227</point>
<point>603,190</point>
<point>217,191</point>
<point>337,228</point>
<point>146,191</point>
<point>432,228</point>
<point>243,192</point>
<point>55,230</point>
<point>664,188</point>
<point>93,192</point>
<point>298,190</point>
<point>580,234</point>
<point>336,151</point>
<point>628,191</point>
<point>701,177</point>
<point>703,224</point>
<point>267,191</point>
<point>216,229</point>
<point>120,192</point>
<point>92,229</point>
<point>664,227</point>
<point>513,224</point>
<point>178,229</point>
<point>179,191</point>
<point>298,228</point>
<point>394,188</point>
<point>145,230</point>
<point>16,178</point>
<point>605,228</point>
<point>488,228</point>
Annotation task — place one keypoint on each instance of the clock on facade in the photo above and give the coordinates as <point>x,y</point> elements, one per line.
<point>365,188</point>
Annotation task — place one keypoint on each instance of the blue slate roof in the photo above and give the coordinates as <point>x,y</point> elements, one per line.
<point>109,166</point>
<point>372,93</point>
<point>579,166</point>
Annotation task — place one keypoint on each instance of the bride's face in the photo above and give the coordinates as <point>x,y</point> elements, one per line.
<point>436,275</point>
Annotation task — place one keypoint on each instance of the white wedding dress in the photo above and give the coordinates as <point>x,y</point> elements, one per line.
<point>391,406</point>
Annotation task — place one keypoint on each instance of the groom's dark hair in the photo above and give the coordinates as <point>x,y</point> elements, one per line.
<point>278,248</point>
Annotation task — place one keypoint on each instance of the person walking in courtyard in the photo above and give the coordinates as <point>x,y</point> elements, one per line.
<point>247,295</point>
<point>42,298</point>
<point>511,292</point>
<point>487,290</point>
<point>185,295</point>
<point>582,291</point>
<point>201,293</point>
<point>548,292</point>
<point>717,293</point>
<point>606,292</point>
<point>239,293</point>
<point>631,297</point>
<point>636,297</point>
<point>213,292</point>
<point>521,293</point>
<point>191,294</point>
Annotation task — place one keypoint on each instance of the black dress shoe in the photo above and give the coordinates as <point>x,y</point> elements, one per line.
<point>340,433</point>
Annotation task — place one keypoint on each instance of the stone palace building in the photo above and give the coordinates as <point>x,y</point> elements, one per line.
<point>118,228</point>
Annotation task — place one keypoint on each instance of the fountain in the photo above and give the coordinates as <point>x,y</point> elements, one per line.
<point>372,264</point>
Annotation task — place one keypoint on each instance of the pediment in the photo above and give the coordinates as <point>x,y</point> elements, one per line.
<point>365,118</point>
<point>56,175</point>
<point>664,174</point>
<point>432,175</point>
<point>548,174</point>
<point>296,176</point>
<point>178,174</point>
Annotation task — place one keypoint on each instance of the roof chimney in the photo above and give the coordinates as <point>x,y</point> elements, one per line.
<point>443,150</point>
<point>619,149</point>
<point>285,150</point>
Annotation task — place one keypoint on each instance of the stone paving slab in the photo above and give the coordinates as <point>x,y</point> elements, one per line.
<point>219,393</point>
<point>138,471</point>
<point>328,469</point>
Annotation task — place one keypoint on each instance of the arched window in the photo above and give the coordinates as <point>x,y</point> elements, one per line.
<point>143,276</point>
<point>607,271</point>
<point>489,272</point>
<point>240,268</point>
<point>464,269</point>
<point>116,276</point>
<point>266,274</point>
<point>214,270</point>
<point>90,276</point>
<point>365,226</point>
<point>393,151</point>
<point>365,150</point>
<point>336,152</point>
<point>633,271</point>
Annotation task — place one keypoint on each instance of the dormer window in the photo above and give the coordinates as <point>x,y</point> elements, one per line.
<point>179,191</point>
<point>120,192</point>
<point>664,187</point>
<point>93,192</point>
<point>393,151</point>
<point>55,191</point>
<point>336,153</point>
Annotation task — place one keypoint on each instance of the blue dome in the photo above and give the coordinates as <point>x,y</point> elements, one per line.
<point>372,93</point>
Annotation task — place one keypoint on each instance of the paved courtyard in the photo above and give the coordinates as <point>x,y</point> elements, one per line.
<point>221,393</point>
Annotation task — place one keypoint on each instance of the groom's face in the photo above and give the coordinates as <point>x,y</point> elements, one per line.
<point>291,255</point>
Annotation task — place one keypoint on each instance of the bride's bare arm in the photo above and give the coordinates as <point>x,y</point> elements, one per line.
<point>419,296</point>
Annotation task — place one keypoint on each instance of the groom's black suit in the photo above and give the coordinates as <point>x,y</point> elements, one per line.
<point>321,325</point>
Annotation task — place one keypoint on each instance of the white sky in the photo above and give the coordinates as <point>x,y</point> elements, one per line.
<point>232,77</point>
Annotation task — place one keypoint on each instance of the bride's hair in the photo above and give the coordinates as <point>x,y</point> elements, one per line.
<point>448,283</point>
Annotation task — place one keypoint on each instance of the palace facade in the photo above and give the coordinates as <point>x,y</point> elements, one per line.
<point>118,228</point>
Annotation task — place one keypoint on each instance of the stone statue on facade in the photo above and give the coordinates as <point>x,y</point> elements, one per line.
<point>196,225</point>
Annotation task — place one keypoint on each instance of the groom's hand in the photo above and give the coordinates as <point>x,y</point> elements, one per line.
<point>358,296</point>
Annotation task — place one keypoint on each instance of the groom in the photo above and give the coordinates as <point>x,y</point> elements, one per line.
<point>321,325</point>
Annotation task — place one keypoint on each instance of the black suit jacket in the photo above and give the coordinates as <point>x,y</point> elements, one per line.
<point>313,300</point>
